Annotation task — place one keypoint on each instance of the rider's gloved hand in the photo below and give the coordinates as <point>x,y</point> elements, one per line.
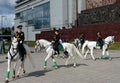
<point>21,42</point>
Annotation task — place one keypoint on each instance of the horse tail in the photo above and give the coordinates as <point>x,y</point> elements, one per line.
<point>83,47</point>
<point>29,55</point>
<point>76,51</point>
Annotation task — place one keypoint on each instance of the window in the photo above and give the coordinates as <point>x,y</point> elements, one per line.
<point>39,16</point>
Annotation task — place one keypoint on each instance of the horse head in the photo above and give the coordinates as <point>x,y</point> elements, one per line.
<point>76,42</point>
<point>112,39</point>
<point>41,44</point>
<point>109,39</point>
<point>14,45</point>
<point>37,46</point>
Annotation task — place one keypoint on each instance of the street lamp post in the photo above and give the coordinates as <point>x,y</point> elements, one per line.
<point>27,23</point>
<point>2,48</point>
<point>77,12</point>
<point>2,17</point>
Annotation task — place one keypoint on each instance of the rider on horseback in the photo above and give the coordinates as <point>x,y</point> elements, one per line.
<point>82,39</point>
<point>56,41</point>
<point>20,38</point>
<point>99,40</point>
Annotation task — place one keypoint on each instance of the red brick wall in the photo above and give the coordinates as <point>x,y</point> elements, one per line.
<point>89,31</point>
<point>117,1</point>
<point>98,3</point>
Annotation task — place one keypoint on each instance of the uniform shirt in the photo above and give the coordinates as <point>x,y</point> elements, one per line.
<point>99,36</point>
<point>82,39</point>
<point>19,36</point>
<point>57,38</point>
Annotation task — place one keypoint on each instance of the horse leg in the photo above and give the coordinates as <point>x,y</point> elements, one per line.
<point>91,53</point>
<point>79,47</point>
<point>22,66</point>
<point>103,53</point>
<point>45,61</point>
<point>14,68</point>
<point>8,71</point>
<point>19,70</point>
<point>108,55</point>
<point>74,65</point>
<point>55,63</point>
<point>86,53</point>
<point>66,62</point>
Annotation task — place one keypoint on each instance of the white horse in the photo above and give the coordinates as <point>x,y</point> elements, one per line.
<point>69,48</point>
<point>93,44</point>
<point>77,43</point>
<point>13,56</point>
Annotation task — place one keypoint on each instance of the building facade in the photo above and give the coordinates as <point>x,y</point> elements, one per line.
<point>41,15</point>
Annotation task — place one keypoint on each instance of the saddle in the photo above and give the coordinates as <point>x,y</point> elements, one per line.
<point>99,43</point>
<point>60,47</point>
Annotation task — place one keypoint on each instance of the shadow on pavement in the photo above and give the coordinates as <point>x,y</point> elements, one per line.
<point>71,65</point>
<point>37,73</point>
<point>3,61</point>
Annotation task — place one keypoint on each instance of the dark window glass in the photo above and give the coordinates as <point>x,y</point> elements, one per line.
<point>39,16</point>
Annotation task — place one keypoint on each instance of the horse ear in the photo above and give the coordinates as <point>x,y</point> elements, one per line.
<point>13,38</point>
<point>36,41</point>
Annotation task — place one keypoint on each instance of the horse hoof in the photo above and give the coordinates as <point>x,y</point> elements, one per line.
<point>17,76</point>
<point>13,77</point>
<point>66,65</point>
<point>94,59</point>
<point>74,66</point>
<point>24,71</point>
<point>45,68</point>
<point>56,67</point>
<point>6,57</point>
<point>6,81</point>
<point>110,59</point>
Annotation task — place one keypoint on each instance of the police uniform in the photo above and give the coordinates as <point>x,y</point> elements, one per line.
<point>20,38</point>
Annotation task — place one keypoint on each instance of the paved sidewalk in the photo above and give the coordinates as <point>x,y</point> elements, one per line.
<point>87,71</point>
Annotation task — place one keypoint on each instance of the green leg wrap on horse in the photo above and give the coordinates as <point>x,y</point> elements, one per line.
<point>55,64</point>
<point>45,63</point>
<point>8,74</point>
<point>63,54</point>
<point>14,72</point>
<point>101,57</point>
<point>108,57</point>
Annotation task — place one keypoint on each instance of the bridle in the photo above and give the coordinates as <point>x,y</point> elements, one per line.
<point>12,47</point>
<point>38,45</point>
<point>41,46</point>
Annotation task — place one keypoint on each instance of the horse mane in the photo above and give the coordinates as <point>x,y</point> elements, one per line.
<point>108,37</point>
<point>14,39</point>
